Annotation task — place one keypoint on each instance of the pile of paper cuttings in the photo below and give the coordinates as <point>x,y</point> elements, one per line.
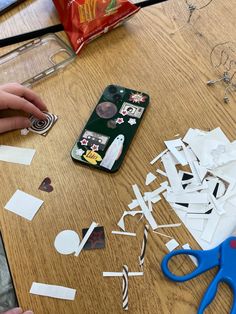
<point>201,186</point>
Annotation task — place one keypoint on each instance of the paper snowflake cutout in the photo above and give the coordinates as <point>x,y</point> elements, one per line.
<point>132,121</point>
<point>84,142</point>
<point>95,147</point>
<point>119,120</point>
<point>79,152</point>
<point>137,97</point>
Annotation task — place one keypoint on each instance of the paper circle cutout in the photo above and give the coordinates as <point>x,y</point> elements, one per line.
<point>66,242</point>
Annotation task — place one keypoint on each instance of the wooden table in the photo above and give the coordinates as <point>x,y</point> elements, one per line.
<point>173,70</point>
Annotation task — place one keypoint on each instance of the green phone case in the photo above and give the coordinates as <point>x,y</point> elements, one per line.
<point>110,129</point>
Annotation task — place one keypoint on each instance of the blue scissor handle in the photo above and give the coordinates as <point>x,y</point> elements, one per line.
<point>206,260</point>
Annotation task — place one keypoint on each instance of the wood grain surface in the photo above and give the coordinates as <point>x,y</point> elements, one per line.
<point>173,70</point>
<point>28,16</point>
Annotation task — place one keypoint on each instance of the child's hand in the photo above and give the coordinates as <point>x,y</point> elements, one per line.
<point>18,97</point>
<point>17,310</point>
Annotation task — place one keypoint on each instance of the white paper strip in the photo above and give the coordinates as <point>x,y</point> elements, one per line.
<point>172,145</point>
<point>172,245</point>
<point>52,291</point>
<point>158,156</point>
<point>161,172</point>
<point>172,173</point>
<point>16,155</point>
<point>145,209</point>
<point>24,205</point>
<point>85,238</point>
<point>120,274</point>
<point>124,233</point>
<point>169,226</point>
<point>211,226</point>
<point>199,198</point>
<point>162,234</point>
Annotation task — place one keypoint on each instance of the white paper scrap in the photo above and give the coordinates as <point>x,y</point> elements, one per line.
<point>172,146</point>
<point>211,226</point>
<point>24,205</point>
<point>158,156</point>
<point>53,291</point>
<point>169,225</point>
<point>132,234</point>
<point>121,222</point>
<point>193,258</point>
<point>145,209</point>
<point>161,172</point>
<point>172,173</point>
<point>192,197</point>
<point>172,245</point>
<point>85,238</point>
<point>120,274</point>
<point>16,155</point>
<point>150,178</point>
<point>66,242</point>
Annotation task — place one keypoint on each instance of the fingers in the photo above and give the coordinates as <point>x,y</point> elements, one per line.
<point>28,94</point>
<point>13,123</point>
<point>17,310</point>
<point>10,101</point>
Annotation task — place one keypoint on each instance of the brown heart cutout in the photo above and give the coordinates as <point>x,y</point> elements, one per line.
<point>46,185</point>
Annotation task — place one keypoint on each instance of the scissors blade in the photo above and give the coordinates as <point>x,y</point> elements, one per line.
<point>210,293</point>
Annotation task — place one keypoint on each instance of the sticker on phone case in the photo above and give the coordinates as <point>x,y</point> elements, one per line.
<point>131,110</point>
<point>79,152</point>
<point>111,124</point>
<point>92,157</point>
<point>106,110</point>
<point>90,138</point>
<point>132,121</point>
<point>120,120</point>
<point>137,97</point>
<point>113,152</point>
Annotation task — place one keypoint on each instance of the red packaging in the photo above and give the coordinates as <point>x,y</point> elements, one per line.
<point>85,20</point>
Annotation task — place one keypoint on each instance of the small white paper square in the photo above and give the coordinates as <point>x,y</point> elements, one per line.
<point>24,205</point>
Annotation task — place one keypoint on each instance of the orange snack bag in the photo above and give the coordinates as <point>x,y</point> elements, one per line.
<point>85,20</point>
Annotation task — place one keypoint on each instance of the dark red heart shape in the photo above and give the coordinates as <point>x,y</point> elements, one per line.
<point>46,185</point>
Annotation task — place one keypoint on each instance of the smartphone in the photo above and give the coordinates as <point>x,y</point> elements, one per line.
<point>6,5</point>
<point>8,299</point>
<point>110,129</point>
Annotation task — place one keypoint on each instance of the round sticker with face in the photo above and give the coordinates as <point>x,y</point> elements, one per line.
<point>106,110</point>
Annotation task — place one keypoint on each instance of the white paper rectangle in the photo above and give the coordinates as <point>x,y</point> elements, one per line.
<point>53,291</point>
<point>172,245</point>
<point>85,238</point>
<point>118,274</point>
<point>161,172</point>
<point>124,233</point>
<point>189,198</point>
<point>23,204</point>
<point>145,209</point>
<point>172,173</point>
<point>16,155</point>
<point>158,156</point>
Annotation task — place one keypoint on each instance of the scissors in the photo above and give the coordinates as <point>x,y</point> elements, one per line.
<point>223,256</point>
